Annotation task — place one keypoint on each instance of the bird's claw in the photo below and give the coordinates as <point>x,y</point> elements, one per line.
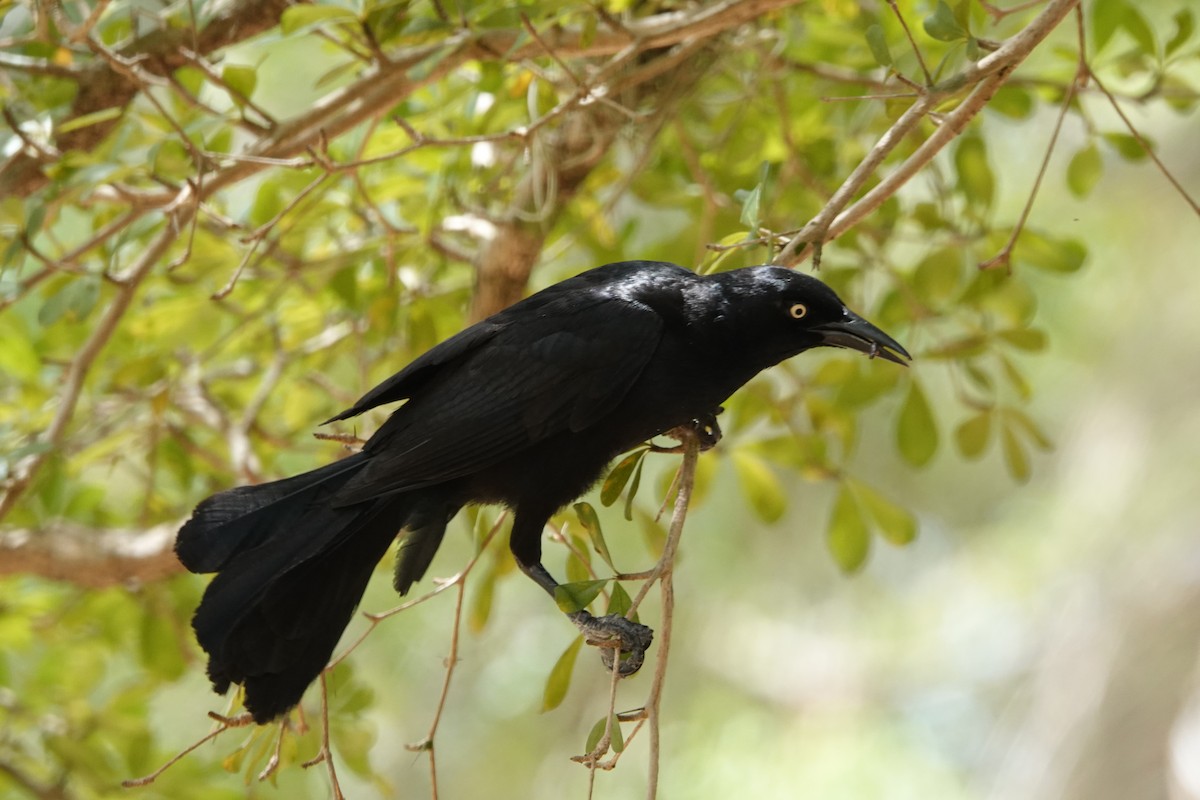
<point>705,429</point>
<point>708,431</point>
<point>614,632</point>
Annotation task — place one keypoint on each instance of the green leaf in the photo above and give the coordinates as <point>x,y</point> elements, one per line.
<point>633,490</point>
<point>972,435</point>
<point>1021,420</point>
<point>1185,25</point>
<point>916,432</point>
<point>94,118</point>
<point>572,597</point>
<point>974,173</point>
<point>1136,26</point>
<point>619,601</point>
<point>1106,15</point>
<point>296,17</point>
<point>943,25</point>
<point>760,485</point>
<point>848,538</point>
<point>1049,254</point>
<point>242,79</point>
<point>1015,102</point>
<point>481,600</point>
<point>616,742</point>
<point>1014,455</point>
<point>879,46</point>
<point>1127,145</point>
<point>1016,378</point>
<point>1084,170</point>
<point>1031,339</point>
<point>937,278</point>
<point>619,476</point>
<point>559,680</point>
<point>896,524</point>
<point>74,301</point>
<point>591,523</point>
<point>752,202</point>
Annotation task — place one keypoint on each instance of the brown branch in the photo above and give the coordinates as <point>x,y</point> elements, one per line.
<point>94,559</point>
<point>158,53</point>
<point>985,75</point>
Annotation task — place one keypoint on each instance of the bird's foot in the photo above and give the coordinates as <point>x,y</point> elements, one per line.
<point>612,633</point>
<point>705,429</point>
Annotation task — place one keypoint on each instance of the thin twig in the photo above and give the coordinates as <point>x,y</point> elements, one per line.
<point>1004,257</point>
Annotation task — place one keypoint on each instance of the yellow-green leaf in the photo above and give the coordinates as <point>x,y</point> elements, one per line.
<point>916,432</point>
<point>848,538</point>
<point>559,680</point>
<point>1014,455</point>
<point>572,597</point>
<point>975,176</point>
<point>591,523</point>
<point>879,46</point>
<point>619,476</point>
<point>241,79</point>
<point>296,17</point>
<point>972,435</point>
<point>896,524</point>
<point>760,486</point>
<point>1084,170</point>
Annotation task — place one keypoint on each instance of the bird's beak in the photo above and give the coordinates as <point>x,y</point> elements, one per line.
<point>855,333</point>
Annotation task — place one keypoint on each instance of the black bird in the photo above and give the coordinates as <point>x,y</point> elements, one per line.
<point>525,408</point>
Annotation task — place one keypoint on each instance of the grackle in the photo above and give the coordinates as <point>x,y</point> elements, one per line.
<point>525,408</point>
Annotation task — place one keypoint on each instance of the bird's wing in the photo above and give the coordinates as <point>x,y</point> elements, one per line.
<point>556,372</point>
<point>409,380</point>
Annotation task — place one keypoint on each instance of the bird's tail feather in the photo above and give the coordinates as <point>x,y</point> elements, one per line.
<point>291,570</point>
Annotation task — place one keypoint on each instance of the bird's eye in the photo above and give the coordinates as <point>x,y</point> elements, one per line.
<point>798,310</point>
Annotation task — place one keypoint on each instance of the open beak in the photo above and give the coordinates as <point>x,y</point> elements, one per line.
<point>855,333</point>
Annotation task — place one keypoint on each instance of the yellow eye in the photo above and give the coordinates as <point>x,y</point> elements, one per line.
<point>798,310</point>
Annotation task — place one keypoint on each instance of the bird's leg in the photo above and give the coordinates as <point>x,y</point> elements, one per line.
<point>707,431</point>
<point>611,632</point>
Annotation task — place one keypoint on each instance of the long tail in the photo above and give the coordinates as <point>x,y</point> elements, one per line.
<point>291,568</point>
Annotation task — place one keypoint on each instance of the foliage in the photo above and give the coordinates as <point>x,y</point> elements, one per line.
<point>200,261</point>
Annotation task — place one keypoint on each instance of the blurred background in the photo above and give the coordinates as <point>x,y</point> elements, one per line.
<point>1039,637</point>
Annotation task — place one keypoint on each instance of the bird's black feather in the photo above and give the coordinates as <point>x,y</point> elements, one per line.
<point>525,408</point>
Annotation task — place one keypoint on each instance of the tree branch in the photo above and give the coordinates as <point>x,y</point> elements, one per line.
<point>986,75</point>
<point>93,559</point>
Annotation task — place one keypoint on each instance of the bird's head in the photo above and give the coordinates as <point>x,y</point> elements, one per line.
<point>789,312</point>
